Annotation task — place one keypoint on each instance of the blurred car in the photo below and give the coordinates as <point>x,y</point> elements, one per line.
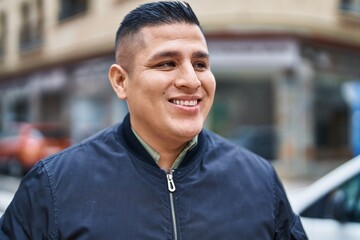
<point>330,207</point>
<point>24,144</point>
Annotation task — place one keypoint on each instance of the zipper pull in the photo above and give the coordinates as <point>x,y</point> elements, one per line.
<point>170,181</point>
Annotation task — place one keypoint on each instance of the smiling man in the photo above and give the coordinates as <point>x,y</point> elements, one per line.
<point>168,86</point>
<point>158,174</point>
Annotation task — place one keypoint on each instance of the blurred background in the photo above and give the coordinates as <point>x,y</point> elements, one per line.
<point>287,75</point>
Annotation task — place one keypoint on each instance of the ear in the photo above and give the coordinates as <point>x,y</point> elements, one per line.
<point>118,78</point>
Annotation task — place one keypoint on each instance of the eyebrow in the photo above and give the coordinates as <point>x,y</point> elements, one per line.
<point>165,54</point>
<point>200,54</point>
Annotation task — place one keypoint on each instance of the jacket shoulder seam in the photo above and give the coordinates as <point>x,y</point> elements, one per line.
<point>275,199</point>
<point>54,201</point>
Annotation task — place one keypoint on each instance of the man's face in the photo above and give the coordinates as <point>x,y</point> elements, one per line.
<point>169,88</point>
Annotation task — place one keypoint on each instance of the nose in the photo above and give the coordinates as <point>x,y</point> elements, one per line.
<point>188,78</point>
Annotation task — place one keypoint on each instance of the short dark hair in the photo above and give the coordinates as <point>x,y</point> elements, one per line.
<point>153,14</point>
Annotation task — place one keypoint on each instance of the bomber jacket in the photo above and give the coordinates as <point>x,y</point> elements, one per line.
<point>109,187</point>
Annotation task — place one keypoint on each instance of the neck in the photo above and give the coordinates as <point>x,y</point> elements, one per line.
<point>168,156</point>
<point>167,160</point>
<point>168,151</point>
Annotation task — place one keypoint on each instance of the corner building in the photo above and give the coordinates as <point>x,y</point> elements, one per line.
<point>280,66</point>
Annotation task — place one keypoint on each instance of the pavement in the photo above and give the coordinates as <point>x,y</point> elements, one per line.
<point>292,185</point>
<point>8,186</point>
<point>5,199</point>
<point>296,176</point>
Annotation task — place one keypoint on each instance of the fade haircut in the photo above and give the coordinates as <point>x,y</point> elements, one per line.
<point>153,14</point>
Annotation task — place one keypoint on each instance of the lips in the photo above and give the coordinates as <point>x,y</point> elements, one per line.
<point>186,103</point>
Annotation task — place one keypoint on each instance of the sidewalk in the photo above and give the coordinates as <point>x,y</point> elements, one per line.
<point>297,177</point>
<point>295,184</point>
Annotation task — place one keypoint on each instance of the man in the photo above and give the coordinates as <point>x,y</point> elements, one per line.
<point>158,174</point>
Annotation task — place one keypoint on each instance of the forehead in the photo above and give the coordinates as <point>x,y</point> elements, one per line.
<point>180,37</point>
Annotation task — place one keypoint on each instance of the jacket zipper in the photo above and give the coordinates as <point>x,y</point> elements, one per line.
<point>172,188</point>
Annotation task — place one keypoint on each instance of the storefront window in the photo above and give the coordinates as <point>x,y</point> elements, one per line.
<point>243,112</point>
<point>69,8</point>
<point>350,6</point>
<point>331,118</point>
<point>2,34</point>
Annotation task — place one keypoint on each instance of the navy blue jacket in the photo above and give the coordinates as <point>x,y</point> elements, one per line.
<point>108,187</point>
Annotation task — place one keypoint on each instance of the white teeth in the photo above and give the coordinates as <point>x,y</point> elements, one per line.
<point>185,103</point>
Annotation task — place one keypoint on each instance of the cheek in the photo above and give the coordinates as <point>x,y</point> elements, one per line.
<point>155,83</point>
<point>140,82</point>
<point>209,84</point>
<point>149,89</point>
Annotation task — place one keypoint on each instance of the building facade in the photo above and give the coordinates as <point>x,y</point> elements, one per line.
<point>280,68</point>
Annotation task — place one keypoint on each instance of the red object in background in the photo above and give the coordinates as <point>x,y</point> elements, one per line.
<point>24,144</point>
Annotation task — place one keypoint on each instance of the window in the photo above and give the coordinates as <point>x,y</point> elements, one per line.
<point>3,30</point>
<point>331,118</point>
<point>243,112</point>
<point>20,110</point>
<point>342,204</point>
<point>69,8</point>
<point>39,25</point>
<point>350,6</point>
<point>32,25</point>
<point>26,29</point>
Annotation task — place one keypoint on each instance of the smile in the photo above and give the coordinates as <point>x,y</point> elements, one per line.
<point>187,103</point>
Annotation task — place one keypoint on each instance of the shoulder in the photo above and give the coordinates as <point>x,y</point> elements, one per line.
<point>99,143</point>
<point>261,180</point>
<point>235,155</point>
<point>225,158</point>
<point>85,155</point>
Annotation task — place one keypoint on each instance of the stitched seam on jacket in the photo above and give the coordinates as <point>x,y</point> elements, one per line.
<point>53,232</point>
<point>293,222</point>
<point>274,202</point>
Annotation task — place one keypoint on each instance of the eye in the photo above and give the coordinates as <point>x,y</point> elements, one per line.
<point>200,65</point>
<point>166,65</point>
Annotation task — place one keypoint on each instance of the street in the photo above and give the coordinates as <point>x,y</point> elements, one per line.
<point>8,186</point>
<point>8,183</point>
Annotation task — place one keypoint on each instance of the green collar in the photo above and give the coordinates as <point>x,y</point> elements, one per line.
<point>156,156</point>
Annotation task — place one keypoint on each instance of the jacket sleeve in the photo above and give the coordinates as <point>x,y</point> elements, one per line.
<point>287,224</point>
<point>31,213</point>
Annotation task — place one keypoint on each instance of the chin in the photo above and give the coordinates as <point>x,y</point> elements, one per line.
<point>189,133</point>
